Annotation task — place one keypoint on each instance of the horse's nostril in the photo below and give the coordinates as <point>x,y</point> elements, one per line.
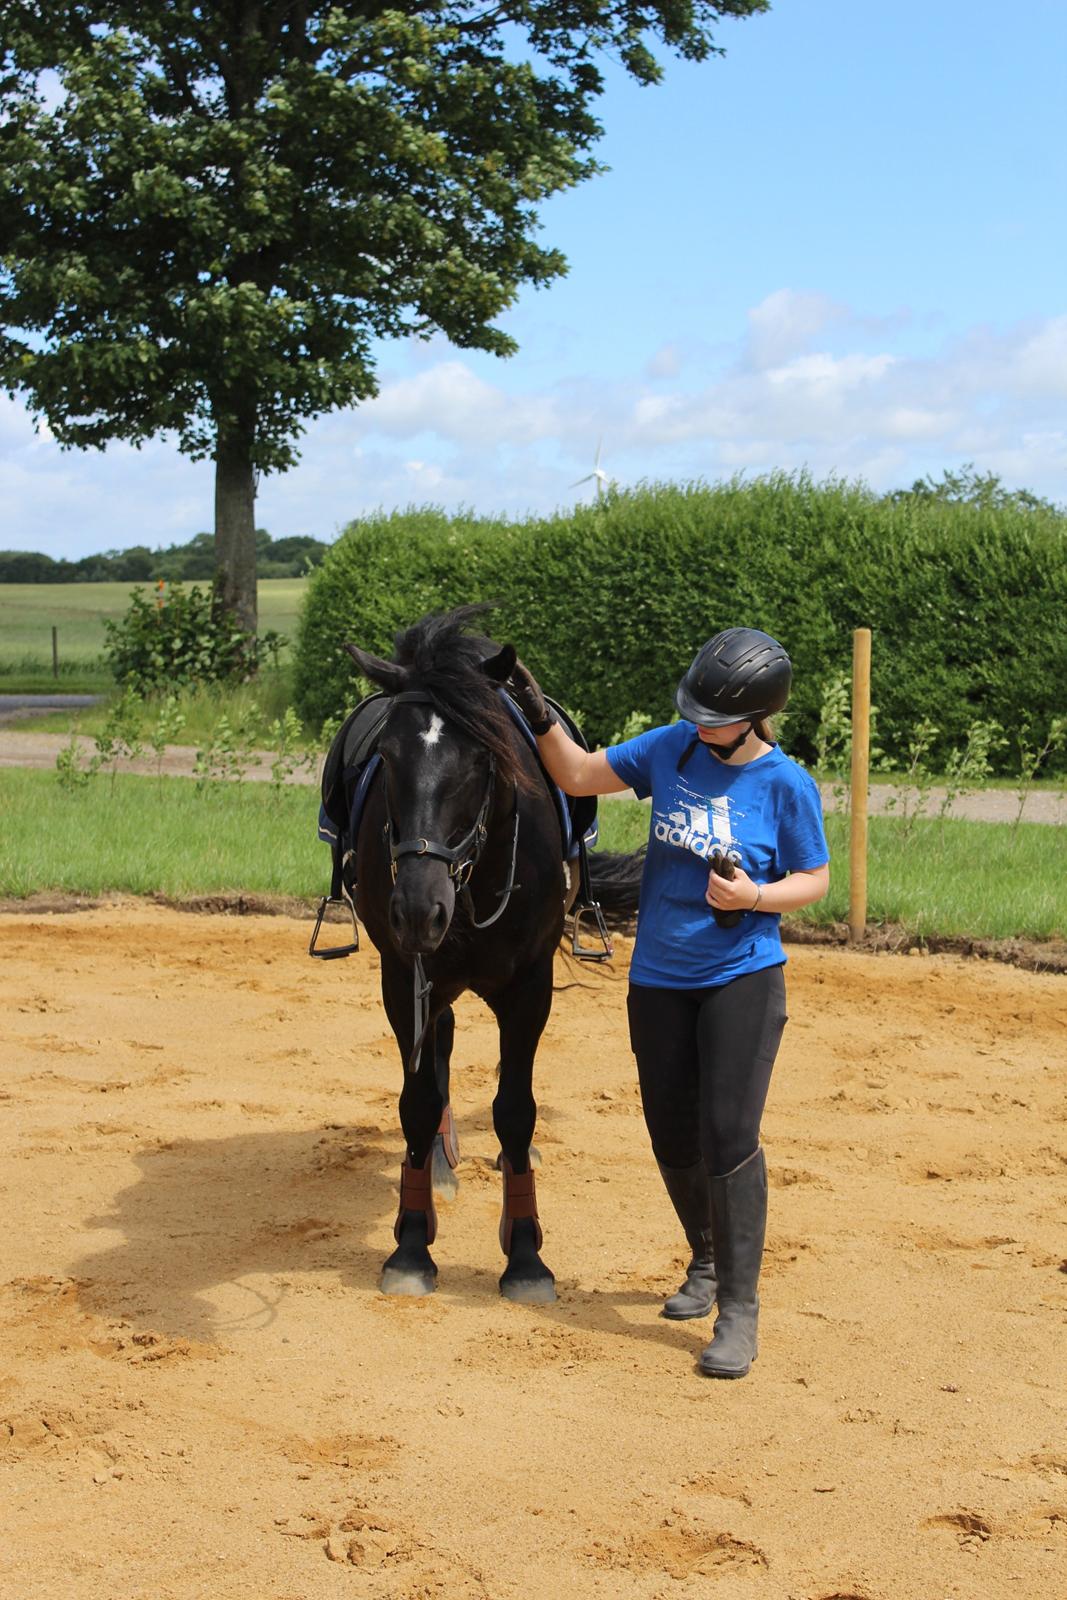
<point>438,921</point>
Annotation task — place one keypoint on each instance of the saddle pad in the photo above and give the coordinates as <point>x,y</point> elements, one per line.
<point>577,813</point>
<point>353,744</point>
<point>352,761</point>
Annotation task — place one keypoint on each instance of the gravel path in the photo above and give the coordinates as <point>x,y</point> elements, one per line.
<point>39,750</point>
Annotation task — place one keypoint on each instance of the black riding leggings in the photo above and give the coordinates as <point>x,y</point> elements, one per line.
<point>704,1058</point>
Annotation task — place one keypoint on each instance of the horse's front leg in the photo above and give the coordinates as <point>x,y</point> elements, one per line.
<point>446,1142</point>
<point>411,1270</point>
<point>521,1010</point>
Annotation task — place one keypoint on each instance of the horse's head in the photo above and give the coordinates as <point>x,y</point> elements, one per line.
<point>446,746</point>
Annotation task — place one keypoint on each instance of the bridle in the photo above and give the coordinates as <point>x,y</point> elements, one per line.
<point>461,860</point>
<point>463,857</point>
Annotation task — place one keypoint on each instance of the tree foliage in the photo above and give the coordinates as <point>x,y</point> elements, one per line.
<point>968,486</point>
<point>223,206</point>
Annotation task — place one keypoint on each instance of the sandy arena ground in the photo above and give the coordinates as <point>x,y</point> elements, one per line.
<point>202,1392</point>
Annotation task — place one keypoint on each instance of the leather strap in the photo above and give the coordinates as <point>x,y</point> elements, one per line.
<point>416,1194</point>
<point>447,1130</point>
<point>520,1201</point>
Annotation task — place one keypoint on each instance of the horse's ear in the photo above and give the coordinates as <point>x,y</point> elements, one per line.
<point>502,665</point>
<point>386,674</point>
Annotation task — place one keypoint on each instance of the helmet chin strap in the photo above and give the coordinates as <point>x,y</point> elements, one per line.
<point>724,751</point>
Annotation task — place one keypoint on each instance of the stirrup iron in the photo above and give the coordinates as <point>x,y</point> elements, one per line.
<point>334,951</point>
<point>591,952</point>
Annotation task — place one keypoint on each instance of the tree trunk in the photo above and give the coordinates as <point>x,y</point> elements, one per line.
<point>235,528</point>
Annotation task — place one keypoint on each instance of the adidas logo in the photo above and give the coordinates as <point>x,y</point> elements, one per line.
<point>699,843</point>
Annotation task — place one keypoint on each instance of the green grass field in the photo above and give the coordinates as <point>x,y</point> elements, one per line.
<point>29,611</point>
<point>140,836</point>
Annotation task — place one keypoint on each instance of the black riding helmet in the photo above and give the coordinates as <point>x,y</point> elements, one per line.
<point>740,675</point>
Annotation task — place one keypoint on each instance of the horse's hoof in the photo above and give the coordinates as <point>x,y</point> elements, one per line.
<point>445,1182</point>
<point>526,1290</point>
<point>408,1281</point>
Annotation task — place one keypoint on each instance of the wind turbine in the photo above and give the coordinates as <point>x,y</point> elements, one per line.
<point>597,475</point>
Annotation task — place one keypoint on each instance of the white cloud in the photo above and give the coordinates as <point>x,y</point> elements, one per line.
<point>666,363</point>
<point>1041,365</point>
<point>807,383</point>
<point>450,399</point>
<point>829,376</point>
<point>785,322</point>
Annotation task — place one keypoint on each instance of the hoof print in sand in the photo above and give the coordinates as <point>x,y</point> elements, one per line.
<point>349,1450</point>
<point>398,1564</point>
<point>681,1551</point>
<point>971,1530</point>
<point>142,1349</point>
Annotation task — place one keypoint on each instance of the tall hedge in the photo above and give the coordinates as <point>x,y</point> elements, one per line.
<point>608,603</point>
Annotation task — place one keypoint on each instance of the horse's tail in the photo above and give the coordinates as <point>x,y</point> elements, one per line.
<point>615,880</point>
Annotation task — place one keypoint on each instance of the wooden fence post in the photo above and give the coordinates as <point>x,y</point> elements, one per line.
<point>861,753</point>
<point>55,651</point>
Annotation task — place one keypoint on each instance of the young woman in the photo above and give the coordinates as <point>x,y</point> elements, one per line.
<point>736,838</point>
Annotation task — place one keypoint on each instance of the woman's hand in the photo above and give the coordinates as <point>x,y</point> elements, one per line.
<point>526,693</point>
<point>738,893</point>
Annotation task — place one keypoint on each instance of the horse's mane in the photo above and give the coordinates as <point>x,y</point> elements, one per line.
<point>446,662</point>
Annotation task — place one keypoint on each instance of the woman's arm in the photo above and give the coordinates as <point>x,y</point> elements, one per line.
<point>577,771</point>
<point>788,894</point>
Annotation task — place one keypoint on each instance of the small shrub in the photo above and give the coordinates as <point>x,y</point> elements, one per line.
<point>73,776</point>
<point>284,738</point>
<point>120,737</point>
<point>1034,751</point>
<point>912,796</point>
<point>169,724</point>
<point>181,637</point>
<point>230,751</point>
<point>969,765</point>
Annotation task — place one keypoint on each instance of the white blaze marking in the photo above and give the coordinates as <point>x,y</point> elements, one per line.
<point>433,732</point>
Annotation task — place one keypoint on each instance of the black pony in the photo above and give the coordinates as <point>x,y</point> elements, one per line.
<point>461,885</point>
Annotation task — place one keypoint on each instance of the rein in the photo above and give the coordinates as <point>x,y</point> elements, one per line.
<point>461,860</point>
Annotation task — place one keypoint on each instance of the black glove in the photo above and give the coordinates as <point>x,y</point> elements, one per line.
<point>525,690</point>
<point>723,867</point>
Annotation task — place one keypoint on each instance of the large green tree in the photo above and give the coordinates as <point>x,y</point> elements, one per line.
<point>209,213</point>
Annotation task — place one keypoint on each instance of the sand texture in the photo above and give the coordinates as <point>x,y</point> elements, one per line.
<point>203,1393</point>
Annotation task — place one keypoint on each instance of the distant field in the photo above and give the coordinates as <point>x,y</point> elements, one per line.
<point>29,611</point>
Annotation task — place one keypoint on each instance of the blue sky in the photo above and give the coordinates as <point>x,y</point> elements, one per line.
<point>841,247</point>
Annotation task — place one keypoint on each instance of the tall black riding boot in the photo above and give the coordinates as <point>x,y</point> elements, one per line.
<point>739,1222</point>
<point>690,1192</point>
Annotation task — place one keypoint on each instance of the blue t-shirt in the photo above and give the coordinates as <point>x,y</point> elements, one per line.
<point>767,810</point>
